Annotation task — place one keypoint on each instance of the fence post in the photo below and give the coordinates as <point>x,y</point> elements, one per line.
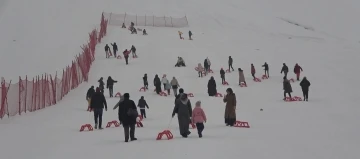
<point>25,93</point>
<point>171,22</point>
<point>165,20</point>
<point>187,23</point>
<point>124,18</point>
<point>145,19</point>
<point>136,20</point>
<point>153,20</point>
<point>20,83</point>
<point>109,19</point>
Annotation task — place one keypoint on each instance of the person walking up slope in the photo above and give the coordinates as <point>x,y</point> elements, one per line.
<point>97,104</point>
<point>164,80</point>
<point>142,104</point>
<point>107,49</point>
<point>305,84</point>
<point>126,56</point>
<point>297,70</point>
<point>200,70</point>
<point>198,117</point>
<point>110,85</point>
<point>127,116</point>
<point>157,84</point>
<point>266,69</point>
<point>184,112</point>
<point>101,85</point>
<point>222,75</point>
<point>89,94</point>
<point>115,48</point>
<point>230,113</point>
<point>285,69</point>
<point>241,77</point>
<point>146,84</point>
<point>253,71</point>
<point>230,63</point>
<point>287,88</point>
<point>175,85</point>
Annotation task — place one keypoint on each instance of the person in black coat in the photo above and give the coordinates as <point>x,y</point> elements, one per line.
<point>285,69</point>
<point>266,68</point>
<point>142,104</point>
<point>230,62</point>
<point>206,66</point>
<point>133,50</point>
<point>101,85</point>
<point>90,93</point>
<point>144,32</point>
<point>110,85</point>
<point>115,48</point>
<point>146,84</point>
<point>157,84</point>
<point>127,119</point>
<point>305,84</point>
<point>212,87</point>
<point>107,48</point>
<point>181,91</point>
<point>97,104</point>
<point>222,75</point>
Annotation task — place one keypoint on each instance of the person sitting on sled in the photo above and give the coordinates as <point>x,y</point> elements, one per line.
<point>180,62</point>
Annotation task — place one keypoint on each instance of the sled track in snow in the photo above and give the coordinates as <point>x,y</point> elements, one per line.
<point>297,24</point>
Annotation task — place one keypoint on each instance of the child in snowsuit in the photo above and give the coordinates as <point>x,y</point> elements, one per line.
<point>133,50</point>
<point>222,75</point>
<point>198,117</point>
<point>142,104</point>
<point>180,33</point>
<point>146,84</point>
<point>107,49</point>
<point>174,85</point>
<point>200,70</point>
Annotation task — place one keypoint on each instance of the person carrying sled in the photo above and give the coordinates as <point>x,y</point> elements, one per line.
<point>107,49</point>
<point>180,62</point>
<point>157,84</point>
<point>266,69</point>
<point>180,33</point>
<point>133,50</point>
<point>284,69</point>
<point>97,104</point>
<point>212,87</point>
<point>241,77</point>
<point>144,32</point>
<point>184,112</point>
<point>200,70</point>
<point>190,34</point>
<point>287,88</point>
<point>115,48</point>
<point>101,85</point>
<point>230,108</point>
<point>253,71</point>
<point>110,85</point>
<point>305,84</point>
<point>174,85</point>
<point>126,56</point>
<point>230,62</point>
<point>142,104</point>
<point>222,75</point>
<point>297,70</point>
<point>209,63</point>
<point>146,84</point>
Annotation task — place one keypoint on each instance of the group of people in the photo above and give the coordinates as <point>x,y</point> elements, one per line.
<point>133,29</point>
<point>190,35</point>
<point>125,53</point>
<point>173,84</point>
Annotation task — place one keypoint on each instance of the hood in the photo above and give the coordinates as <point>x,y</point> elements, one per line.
<point>183,98</point>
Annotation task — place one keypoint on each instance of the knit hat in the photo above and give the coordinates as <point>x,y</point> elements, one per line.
<point>198,104</point>
<point>126,95</point>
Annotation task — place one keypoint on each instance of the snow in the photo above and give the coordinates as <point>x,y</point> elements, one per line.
<point>326,127</point>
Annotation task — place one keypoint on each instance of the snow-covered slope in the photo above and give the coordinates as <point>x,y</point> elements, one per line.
<point>250,32</point>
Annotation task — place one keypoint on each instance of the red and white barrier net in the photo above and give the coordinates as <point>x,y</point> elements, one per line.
<point>29,95</point>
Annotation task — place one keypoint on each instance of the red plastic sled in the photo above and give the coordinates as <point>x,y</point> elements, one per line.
<point>241,124</point>
<point>242,84</point>
<point>119,57</point>
<point>88,126</point>
<point>114,122</point>
<point>295,98</point>
<point>163,94</point>
<point>167,133</point>
<point>139,124</point>
<point>190,95</point>
<point>193,125</point>
<point>225,83</point>
<point>227,71</point>
<point>265,77</point>
<point>218,95</point>
<point>118,94</point>
<point>142,89</point>
<point>257,80</point>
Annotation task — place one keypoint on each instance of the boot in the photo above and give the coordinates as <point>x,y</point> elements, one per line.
<point>95,126</point>
<point>133,139</point>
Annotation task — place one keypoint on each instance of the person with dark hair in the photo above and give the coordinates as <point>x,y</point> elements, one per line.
<point>157,84</point>
<point>305,84</point>
<point>230,113</point>
<point>126,56</point>
<point>107,49</point>
<point>97,104</point>
<point>127,116</point>
<point>206,66</point>
<point>230,62</point>
<point>266,69</point>
<point>222,75</point>
<point>285,69</point>
<point>287,88</point>
<point>297,71</point>
<point>174,85</point>
<point>133,50</point>
<point>101,85</point>
<point>123,25</point>
<point>115,48</point>
<point>144,32</point>
<point>146,84</point>
<point>110,85</point>
<point>142,104</point>
<point>241,77</point>
<point>184,112</point>
<point>181,91</point>
<point>212,87</point>
<point>253,71</point>
<point>190,34</point>
<point>89,94</point>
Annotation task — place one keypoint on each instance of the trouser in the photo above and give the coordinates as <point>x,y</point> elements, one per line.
<point>111,91</point>
<point>127,59</point>
<point>175,91</point>
<point>230,66</point>
<point>305,94</point>
<point>107,54</point>
<point>230,121</point>
<point>253,74</point>
<point>98,112</point>
<point>114,53</point>
<point>267,73</point>
<point>134,53</point>
<point>200,127</point>
<point>285,75</point>
<point>287,93</point>
<point>146,85</point>
<point>222,80</point>
<point>143,112</point>
<point>129,130</point>
<point>102,90</point>
<point>298,76</point>
<point>164,86</point>
<point>200,73</point>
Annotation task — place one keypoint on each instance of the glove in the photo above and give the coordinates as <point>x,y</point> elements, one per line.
<point>105,109</point>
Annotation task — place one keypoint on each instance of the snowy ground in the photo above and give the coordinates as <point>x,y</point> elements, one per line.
<point>325,127</point>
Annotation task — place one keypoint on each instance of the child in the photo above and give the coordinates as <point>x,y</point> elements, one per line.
<point>142,104</point>
<point>198,117</point>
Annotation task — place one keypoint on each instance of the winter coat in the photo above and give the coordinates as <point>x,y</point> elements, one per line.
<point>253,70</point>
<point>98,101</point>
<point>305,84</point>
<point>222,73</point>
<point>287,86</point>
<point>198,115</point>
<point>126,53</point>
<point>208,61</point>
<point>200,68</point>
<point>297,69</point>
<point>115,47</point>
<point>284,69</point>
<point>164,80</point>
<point>266,66</point>
<point>230,101</point>
<point>184,112</point>
<point>142,104</point>
<point>133,49</point>
<point>241,76</point>
<point>190,33</point>
<point>110,83</point>
<point>206,64</point>
<point>124,107</point>
<point>145,80</point>
<point>157,84</point>
<point>174,83</point>
<point>90,93</point>
<point>107,48</point>
<point>212,87</point>
<point>167,85</point>
<point>230,61</point>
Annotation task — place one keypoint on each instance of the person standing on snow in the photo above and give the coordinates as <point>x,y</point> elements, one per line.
<point>190,34</point>
<point>157,84</point>
<point>142,104</point>
<point>230,62</point>
<point>144,32</point>
<point>115,48</point>
<point>101,85</point>
<point>253,71</point>
<point>297,70</point>
<point>230,113</point>
<point>184,112</point>
<point>284,69</point>
<point>180,33</point>
<point>89,94</point>
<point>209,63</point>
<point>198,117</point>
<point>266,68</point>
<point>107,49</point>
<point>200,70</point>
<point>164,80</point>
<point>287,88</point>
<point>127,116</point>
<point>241,76</point>
<point>175,85</point>
<point>133,50</point>
<point>167,87</point>
<point>97,104</point>
<point>305,84</point>
<point>212,87</point>
<point>206,66</point>
<point>110,85</point>
<point>146,84</point>
<point>126,56</point>
<point>123,25</point>
<point>222,75</point>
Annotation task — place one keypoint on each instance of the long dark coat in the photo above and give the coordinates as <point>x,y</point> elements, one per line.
<point>305,84</point>
<point>287,86</point>
<point>230,101</point>
<point>184,112</point>
<point>157,84</point>
<point>212,87</point>
<point>124,107</point>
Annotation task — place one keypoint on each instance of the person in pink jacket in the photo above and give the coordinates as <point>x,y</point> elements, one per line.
<point>198,117</point>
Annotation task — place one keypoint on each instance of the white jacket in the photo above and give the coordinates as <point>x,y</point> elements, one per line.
<point>208,61</point>
<point>164,80</point>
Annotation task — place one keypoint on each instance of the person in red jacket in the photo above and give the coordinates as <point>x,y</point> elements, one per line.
<point>297,70</point>
<point>253,71</point>
<point>126,55</point>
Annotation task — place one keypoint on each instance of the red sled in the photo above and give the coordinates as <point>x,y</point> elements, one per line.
<point>142,89</point>
<point>190,95</point>
<point>241,124</point>
<point>211,71</point>
<point>295,98</point>
<point>264,77</point>
<point>292,80</point>
<point>163,94</point>
<point>139,124</point>
<point>140,117</point>
<point>242,84</point>
<point>218,95</point>
<point>114,122</point>
<point>225,83</point>
<point>89,109</point>
<point>167,133</point>
<point>196,69</point>
<point>88,126</point>
<point>118,94</point>
<point>193,125</point>
<point>227,71</point>
<point>257,80</point>
<point>119,57</point>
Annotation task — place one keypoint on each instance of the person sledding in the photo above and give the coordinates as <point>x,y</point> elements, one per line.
<point>180,62</point>
<point>133,31</point>
<point>133,51</point>
<point>144,32</point>
<point>126,55</point>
